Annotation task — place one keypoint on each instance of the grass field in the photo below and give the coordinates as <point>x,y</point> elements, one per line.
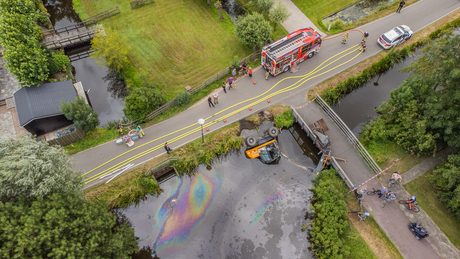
<point>174,43</point>
<point>317,9</point>
<point>426,197</point>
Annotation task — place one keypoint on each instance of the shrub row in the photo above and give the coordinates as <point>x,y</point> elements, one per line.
<point>327,232</point>
<point>332,96</point>
<point>285,119</point>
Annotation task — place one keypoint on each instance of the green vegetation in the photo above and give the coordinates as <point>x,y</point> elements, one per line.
<point>63,225</point>
<point>172,61</point>
<point>127,189</point>
<point>183,98</point>
<point>58,61</point>
<point>285,119</point>
<point>93,138</point>
<point>34,169</point>
<point>315,10</point>
<point>110,49</point>
<point>19,35</point>
<point>435,208</point>
<point>354,240</point>
<point>327,233</point>
<point>216,143</point>
<point>142,100</point>
<point>279,14</point>
<point>253,30</point>
<point>82,115</point>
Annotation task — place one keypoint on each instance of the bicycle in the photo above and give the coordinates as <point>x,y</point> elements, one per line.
<point>392,182</point>
<point>412,206</point>
<point>374,191</point>
<point>384,201</point>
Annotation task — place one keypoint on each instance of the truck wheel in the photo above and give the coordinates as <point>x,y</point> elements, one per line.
<point>286,69</point>
<point>310,55</point>
<point>273,132</point>
<point>251,141</point>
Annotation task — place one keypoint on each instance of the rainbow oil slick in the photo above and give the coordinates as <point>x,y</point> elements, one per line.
<point>266,204</point>
<point>183,211</point>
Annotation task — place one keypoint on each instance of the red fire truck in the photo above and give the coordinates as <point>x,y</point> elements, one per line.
<point>289,51</point>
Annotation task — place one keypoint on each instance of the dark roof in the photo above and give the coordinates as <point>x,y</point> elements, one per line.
<point>42,101</point>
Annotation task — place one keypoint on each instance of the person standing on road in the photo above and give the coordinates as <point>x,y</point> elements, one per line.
<point>224,84</point>
<point>250,72</point>
<point>240,70</point>
<point>167,148</point>
<point>230,81</point>
<point>383,191</point>
<point>363,47</point>
<point>234,73</point>
<point>359,194</point>
<point>267,73</point>
<point>210,102</point>
<point>401,4</point>
<point>245,68</point>
<point>215,96</point>
<point>345,38</point>
<point>140,131</point>
<point>365,35</point>
<point>391,196</point>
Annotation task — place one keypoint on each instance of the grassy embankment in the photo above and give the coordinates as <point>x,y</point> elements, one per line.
<point>426,197</point>
<point>315,10</point>
<point>173,43</point>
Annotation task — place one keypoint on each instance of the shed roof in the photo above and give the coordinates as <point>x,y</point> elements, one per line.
<point>42,101</point>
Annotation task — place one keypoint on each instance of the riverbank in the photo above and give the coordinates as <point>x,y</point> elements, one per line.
<point>360,73</point>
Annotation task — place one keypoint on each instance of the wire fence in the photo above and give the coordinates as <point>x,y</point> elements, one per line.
<point>350,136</point>
<point>194,90</point>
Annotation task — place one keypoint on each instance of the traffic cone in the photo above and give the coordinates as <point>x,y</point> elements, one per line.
<point>207,129</point>
<point>225,120</point>
<point>268,101</point>
<point>250,108</point>
<point>254,81</point>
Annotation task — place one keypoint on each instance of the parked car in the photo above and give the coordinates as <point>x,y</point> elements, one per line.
<point>395,36</point>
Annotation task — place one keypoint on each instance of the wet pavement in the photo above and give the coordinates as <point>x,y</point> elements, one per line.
<point>236,208</point>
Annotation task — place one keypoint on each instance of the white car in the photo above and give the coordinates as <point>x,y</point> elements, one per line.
<point>395,36</point>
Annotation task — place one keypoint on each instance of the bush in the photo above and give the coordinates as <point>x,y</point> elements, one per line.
<point>253,30</point>
<point>235,62</point>
<point>183,98</point>
<point>285,119</point>
<point>57,62</point>
<point>338,25</point>
<point>331,215</point>
<point>80,113</point>
<point>141,101</point>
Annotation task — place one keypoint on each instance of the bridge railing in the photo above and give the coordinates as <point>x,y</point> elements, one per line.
<point>348,134</point>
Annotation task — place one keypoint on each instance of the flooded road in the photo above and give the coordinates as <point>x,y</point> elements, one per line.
<point>87,71</point>
<point>237,208</point>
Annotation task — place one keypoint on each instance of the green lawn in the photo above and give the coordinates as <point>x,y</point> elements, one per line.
<point>426,197</point>
<point>317,9</point>
<point>173,42</point>
<point>385,153</point>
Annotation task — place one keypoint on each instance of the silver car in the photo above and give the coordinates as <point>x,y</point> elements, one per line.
<point>395,36</point>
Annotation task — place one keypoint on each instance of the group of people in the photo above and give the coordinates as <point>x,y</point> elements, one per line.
<point>386,193</point>
<point>363,42</point>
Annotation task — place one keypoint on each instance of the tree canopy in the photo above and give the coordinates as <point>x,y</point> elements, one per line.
<point>62,226</point>
<point>279,14</point>
<point>142,100</point>
<point>33,169</point>
<point>110,49</point>
<point>423,113</point>
<point>253,30</point>
<point>80,113</point>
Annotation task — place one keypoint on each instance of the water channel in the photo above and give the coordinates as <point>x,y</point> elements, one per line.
<point>91,75</point>
<point>235,208</point>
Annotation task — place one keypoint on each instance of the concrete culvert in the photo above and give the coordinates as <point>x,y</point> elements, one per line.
<point>251,141</point>
<point>273,132</point>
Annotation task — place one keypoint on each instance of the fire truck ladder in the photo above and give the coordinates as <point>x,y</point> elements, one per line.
<point>288,46</point>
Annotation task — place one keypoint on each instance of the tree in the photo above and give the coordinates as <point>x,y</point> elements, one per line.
<point>80,113</point>
<point>63,226</point>
<point>253,30</point>
<point>446,178</point>
<point>265,5</point>
<point>142,100</point>
<point>33,169</point>
<point>110,49</point>
<point>218,5</point>
<point>279,14</point>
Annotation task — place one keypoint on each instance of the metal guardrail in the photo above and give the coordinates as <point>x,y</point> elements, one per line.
<point>350,136</point>
<point>341,172</point>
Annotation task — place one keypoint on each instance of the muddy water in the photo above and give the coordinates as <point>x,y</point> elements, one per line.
<point>358,107</point>
<point>237,208</point>
<point>91,75</point>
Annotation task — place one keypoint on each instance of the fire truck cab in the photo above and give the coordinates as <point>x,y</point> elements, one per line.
<point>289,51</point>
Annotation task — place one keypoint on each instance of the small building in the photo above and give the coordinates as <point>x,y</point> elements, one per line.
<point>38,106</point>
